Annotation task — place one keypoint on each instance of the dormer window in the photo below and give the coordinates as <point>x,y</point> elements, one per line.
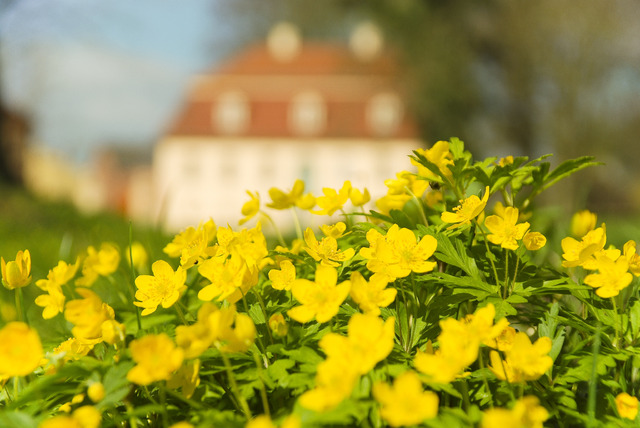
<point>384,114</point>
<point>231,113</point>
<point>307,114</point>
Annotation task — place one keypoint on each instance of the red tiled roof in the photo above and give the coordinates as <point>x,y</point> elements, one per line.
<point>345,84</point>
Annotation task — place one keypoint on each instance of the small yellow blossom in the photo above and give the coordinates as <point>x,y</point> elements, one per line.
<point>629,251</point>
<point>72,349</point>
<point>97,263</point>
<point>326,251</point>
<point>186,378</point>
<point>95,391</point>
<point>296,197</point>
<point>230,279</point>
<point>581,253</point>
<point>20,350</point>
<point>335,380</point>
<point>83,417</point>
<point>52,302</point>
<point>438,154</point>
<point>278,325</point>
<point>371,295</point>
<point>526,413</point>
<point>335,231</point>
<point>113,332</point>
<point>468,209</point>
<point>523,361</point>
<point>582,223</point>
<point>192,244</point>
<point>321,298</point>
<point>333,200</point>
<point>507,160</point>
<point>156,357</point>
<point>359,198</point>
<point>397,253</point>
<point>406,402</point>
<point>283,279</point>
<point>87,315</point>
<point>139,254</point>
<point>231,331</point>
<point>533,241</point>
<point>627,406</point>
<point>17,273</point>
<point>504,228</point>
<point>182,424</point>
<point>164,287</point>
<point>250,208</point>
<point>612,277</point>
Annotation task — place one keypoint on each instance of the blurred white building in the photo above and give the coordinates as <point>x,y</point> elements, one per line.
<point>279,111</point>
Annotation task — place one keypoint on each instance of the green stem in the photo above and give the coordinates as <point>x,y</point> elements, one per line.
<point>296,221</point>
<point>616,322</point>
<point>275,227</point>
<point>264,312</point>
<point>486,244</point>
<point>133,277</point>
<point>419,204</point>
<point>234,387</point>
<point>163,403</point>
<point>484,378</point>
<point>180,314</point>
<point>263,389</point>
<point>506,273</point>
<point>193,404</point>
<point>515,273</point>
<point>593,383</point>
<point>22,316</point>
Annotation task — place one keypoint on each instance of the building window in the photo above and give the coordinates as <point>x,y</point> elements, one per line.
<point>384,114</point>
<point>307,114</point>
<point>231,114</point>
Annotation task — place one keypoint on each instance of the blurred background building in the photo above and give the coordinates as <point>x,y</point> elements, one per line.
<point>89,89</point>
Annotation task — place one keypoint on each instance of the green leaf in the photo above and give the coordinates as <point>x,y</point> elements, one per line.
<point>15,419</point>
<point>455,254</point>
<point>567,168</point>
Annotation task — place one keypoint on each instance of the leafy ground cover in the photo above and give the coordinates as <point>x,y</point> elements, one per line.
<point>454,302</point>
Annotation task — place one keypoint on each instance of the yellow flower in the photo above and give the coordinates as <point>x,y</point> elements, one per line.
<point>326,251</point>
<point>99,263</point>
<point>371,295</point>
<point>581,253</point>
<point>282,201</point>
<point>156,357</point>
<point>250,208</point>
<point>163,288</point>
<point>83,417</point>
<point>182,424</point>
<point>230,279</point>
<point>369,341</point>
<point>335,231</point>
<point>398,254</point>
<point>612,276</point>
<point>278,325</point>
<point>95,391</point>
<point>320,299</point>
<point>523,361</point>
<point>438,154</point>
<point>507,160</point>
<point>504,230</point>
<point>405,403</point>
<point>72,349</point>
<point>283,279</point>
<point>264,421</point>
<point>468,209</point>
<point>87,315</point>
<point>113,332</point>
<point>52,302</point>
<point>17,273</point>
<point>627,406</point>
<point>138,254</point>
<point>249,245</point>
<point>335,380</point>
<point>186,378</point>
<point>582,223</point>
<point>359,198</point>
<point>438,367</point>
<point>526,413</point>
<point>231,331</point>
<point>629,251</point>
<point>333,200</point>
<point>20,350</point>
<point>59,275</point>
<point>533,241</point>
<point>192,244</point>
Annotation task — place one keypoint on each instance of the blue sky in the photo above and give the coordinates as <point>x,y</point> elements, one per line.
<point>90,72</point>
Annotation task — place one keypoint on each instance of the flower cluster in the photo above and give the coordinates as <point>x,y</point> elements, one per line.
<point>430,309</point>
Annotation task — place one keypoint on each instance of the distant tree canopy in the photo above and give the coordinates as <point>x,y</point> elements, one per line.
<point>507,77</point>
